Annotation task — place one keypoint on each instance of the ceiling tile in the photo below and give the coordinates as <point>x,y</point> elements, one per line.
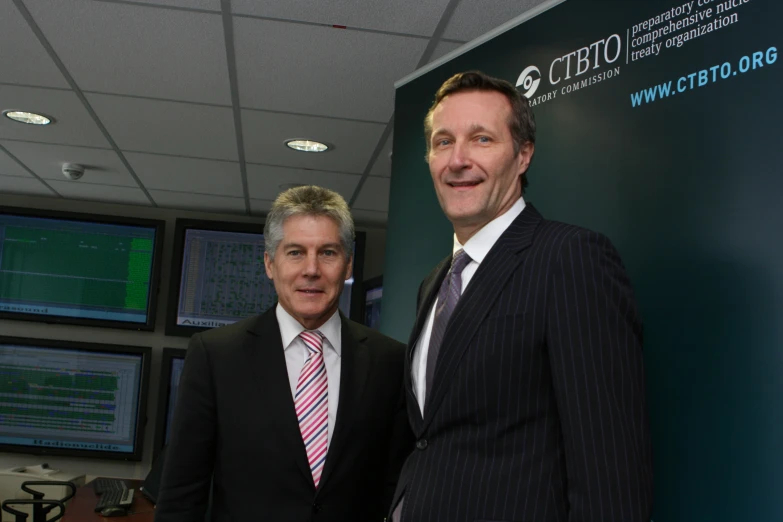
<point>130,49</point>
<point>382,15</point>
<point>9,167</point>
<point>444,48</point>
<point>473,19</point>
<point>105,193</point>
<point>369,217</point>
<point>264,182</point>
<point>382,165</point>
<point>260,207</point>
<point>29,63</point>
<point>73,124</point>
<point>103,166</point>
<point>266,132</point>
<point>182,129</point>
<point>210,5</point>
<point>320,70</point>
<point>201,202</point>
<point>17,185</point>
<point>221,178</point>
<point>374,195</point>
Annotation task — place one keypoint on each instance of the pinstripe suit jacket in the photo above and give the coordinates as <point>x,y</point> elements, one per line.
<point>537,410</point>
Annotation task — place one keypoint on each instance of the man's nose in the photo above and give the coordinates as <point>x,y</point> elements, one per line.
<point>460,157</point>
<point>311,268</point>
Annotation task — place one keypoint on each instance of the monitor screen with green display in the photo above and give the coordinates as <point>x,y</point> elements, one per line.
<point>79,269</point>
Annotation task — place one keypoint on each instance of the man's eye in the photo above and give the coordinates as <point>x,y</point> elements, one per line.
<point>484,139</point>
<point>294,253</point>
<point>330,253</point>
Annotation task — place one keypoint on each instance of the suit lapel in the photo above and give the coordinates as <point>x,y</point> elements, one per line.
<point>265,354</point>
<point>429,292</point>
<point>354,367</point>
<point>476,302</point>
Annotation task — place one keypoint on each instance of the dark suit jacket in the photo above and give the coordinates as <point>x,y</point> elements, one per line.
<point>537,410</point>
<point>235,421</point>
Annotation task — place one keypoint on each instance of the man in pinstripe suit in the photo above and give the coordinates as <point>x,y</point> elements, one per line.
<point>524,371</point>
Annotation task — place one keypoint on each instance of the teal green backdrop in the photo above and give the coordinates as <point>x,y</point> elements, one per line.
<point>688,187</point>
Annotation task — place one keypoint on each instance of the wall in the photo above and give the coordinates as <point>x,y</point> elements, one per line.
<point>374,255</point>
<point>687,186</point>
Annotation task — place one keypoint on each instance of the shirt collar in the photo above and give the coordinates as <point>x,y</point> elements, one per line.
<point>478,246</point>
<point>290,329</point>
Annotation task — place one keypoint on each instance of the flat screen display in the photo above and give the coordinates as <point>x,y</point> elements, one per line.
<point>89,270</point>
<point>73,399</point>
<point>171,369</point>
<point>373,294</point>
<point>221,277</point>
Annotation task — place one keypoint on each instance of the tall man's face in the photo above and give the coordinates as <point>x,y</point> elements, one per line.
<point>472,160</point>
<point>309,269</point>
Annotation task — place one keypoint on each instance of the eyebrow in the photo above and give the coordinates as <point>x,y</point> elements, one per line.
<point>474,128</point>
<point>297,245</point>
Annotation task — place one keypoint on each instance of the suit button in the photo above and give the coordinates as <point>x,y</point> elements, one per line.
<point>421,444</point>
<point>316,507</point>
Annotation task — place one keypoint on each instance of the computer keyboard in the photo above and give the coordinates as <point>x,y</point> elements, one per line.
<point>112,499</point>
<point>105,485</point>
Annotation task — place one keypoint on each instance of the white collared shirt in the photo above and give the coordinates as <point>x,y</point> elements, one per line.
<point>477,247</point>
<point>296,354</point>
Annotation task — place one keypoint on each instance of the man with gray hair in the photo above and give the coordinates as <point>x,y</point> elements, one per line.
<point>297,414</point>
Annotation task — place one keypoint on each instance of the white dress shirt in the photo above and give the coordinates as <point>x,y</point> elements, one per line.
<point>477,247</point>
<point>296,354</point>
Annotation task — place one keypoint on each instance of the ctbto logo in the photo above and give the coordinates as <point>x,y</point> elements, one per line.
<point>591,57</point>
<point>527,81</point>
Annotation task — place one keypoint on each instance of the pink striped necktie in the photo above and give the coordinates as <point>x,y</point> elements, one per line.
<point>312,403</point>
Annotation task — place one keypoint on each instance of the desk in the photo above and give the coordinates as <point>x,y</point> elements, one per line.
<point>81,508</point>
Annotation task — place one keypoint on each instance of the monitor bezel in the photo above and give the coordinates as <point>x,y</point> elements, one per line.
<point>164,392</point>
<point>141,414</point>
<point>184,224</point>
<point>157,250</point>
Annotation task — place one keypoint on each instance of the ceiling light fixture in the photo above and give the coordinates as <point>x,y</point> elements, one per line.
<point>307,145</point>
<point>31,118</point>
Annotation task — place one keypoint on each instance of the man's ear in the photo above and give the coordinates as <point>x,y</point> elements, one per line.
<point>348,270</point>
<point>525,156</point>
<point>268,266</point>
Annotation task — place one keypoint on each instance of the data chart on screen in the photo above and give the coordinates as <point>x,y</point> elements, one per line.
<point>69,399</point>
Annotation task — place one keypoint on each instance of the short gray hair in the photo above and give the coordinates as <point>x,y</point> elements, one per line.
<point>313,201</point>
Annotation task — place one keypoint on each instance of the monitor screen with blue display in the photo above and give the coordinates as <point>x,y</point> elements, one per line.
<point>73,399</point>
<point>79,269</point>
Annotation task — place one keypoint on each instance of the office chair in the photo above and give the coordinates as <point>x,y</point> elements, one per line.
<point>45,506</point>
<point>42,509</point>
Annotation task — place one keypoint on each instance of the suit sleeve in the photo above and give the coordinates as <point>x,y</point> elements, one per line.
<point>190,455</point>
<point>594,341</point>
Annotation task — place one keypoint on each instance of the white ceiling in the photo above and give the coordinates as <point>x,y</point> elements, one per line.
<point>185,104</point>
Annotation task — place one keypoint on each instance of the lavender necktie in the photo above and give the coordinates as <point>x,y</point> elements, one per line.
<point>450,291</point>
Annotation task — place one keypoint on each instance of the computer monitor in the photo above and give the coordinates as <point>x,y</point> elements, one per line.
<point>72,398</point>
<point>218,276</point>
<point>170,370</point>
<point>373,292</point>
<point>61,267</point>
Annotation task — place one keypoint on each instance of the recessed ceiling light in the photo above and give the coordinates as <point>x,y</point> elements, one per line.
<point>307,145</point>
<point>30,118</point>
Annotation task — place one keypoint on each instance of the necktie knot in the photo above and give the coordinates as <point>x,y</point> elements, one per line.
<point>459,261</point>
<point>313,339</point>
